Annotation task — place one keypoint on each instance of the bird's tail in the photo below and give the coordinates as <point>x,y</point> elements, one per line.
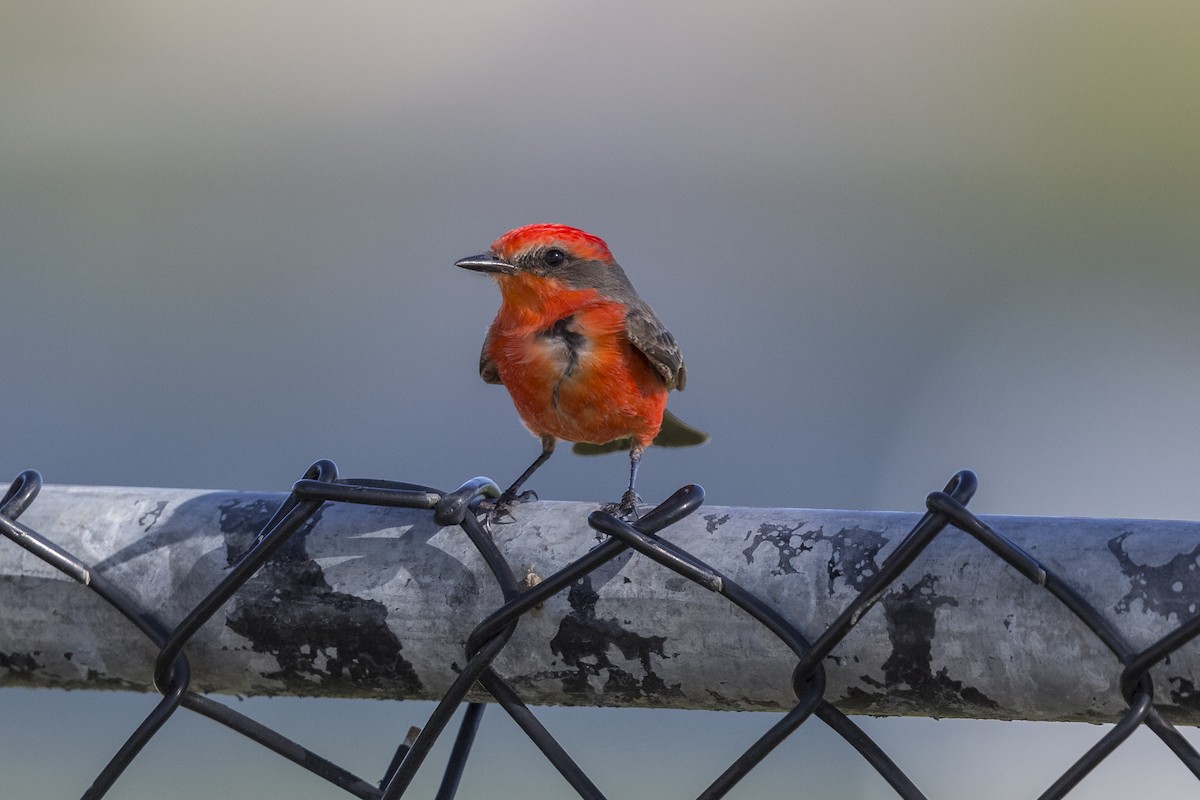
<point>673,433</point>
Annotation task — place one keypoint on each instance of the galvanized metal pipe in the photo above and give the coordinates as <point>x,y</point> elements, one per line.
<point>372,602</point>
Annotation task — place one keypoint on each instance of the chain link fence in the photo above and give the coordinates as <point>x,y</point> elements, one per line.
<point>321,485</point>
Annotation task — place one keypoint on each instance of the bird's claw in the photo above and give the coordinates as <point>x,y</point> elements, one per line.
<point>495,511</point>
<point>626,509</point>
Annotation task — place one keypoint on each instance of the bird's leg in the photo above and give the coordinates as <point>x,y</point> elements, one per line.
<point>628,505</point>
<point>510,494</point>
<point>510,497</point>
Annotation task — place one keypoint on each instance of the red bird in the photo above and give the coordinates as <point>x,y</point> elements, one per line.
<point>584,358</point>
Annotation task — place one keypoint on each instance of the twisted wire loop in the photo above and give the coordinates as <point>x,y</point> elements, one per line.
<point>320,484</point>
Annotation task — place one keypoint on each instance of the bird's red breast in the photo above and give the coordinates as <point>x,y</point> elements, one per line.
<point>563,355</point>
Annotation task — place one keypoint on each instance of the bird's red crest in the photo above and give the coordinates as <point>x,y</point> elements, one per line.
<point>581,243</point>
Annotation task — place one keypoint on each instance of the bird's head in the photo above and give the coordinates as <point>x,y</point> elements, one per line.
<point>544,250</point>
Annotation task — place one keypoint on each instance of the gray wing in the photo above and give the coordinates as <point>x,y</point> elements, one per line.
<point>651,337</point>
<point>487,367</point>
<point>642,327</point>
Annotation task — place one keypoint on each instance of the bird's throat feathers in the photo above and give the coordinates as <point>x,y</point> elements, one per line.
<point>537,301</point>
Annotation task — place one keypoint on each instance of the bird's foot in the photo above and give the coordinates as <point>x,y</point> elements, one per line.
<point>627,508</point>
<point>495,511</point>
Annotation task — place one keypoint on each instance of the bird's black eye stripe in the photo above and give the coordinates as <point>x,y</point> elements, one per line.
<point>553,257</point>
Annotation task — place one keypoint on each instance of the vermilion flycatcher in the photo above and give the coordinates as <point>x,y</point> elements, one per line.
<point>584,358</point>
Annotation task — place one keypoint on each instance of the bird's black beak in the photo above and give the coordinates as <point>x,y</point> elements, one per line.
<point>486,262</point>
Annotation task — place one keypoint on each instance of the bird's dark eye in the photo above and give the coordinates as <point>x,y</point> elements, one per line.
<point>553,257</point>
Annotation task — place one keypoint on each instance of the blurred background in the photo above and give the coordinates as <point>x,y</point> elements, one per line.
<point>893,240</point>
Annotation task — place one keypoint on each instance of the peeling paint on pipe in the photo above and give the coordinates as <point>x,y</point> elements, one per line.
<point>371,602</point>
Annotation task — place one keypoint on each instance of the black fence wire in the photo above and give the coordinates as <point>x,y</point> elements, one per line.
<point>320,484</point>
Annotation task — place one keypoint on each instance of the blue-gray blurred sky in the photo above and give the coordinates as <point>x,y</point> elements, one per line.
<point>893,240</point>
